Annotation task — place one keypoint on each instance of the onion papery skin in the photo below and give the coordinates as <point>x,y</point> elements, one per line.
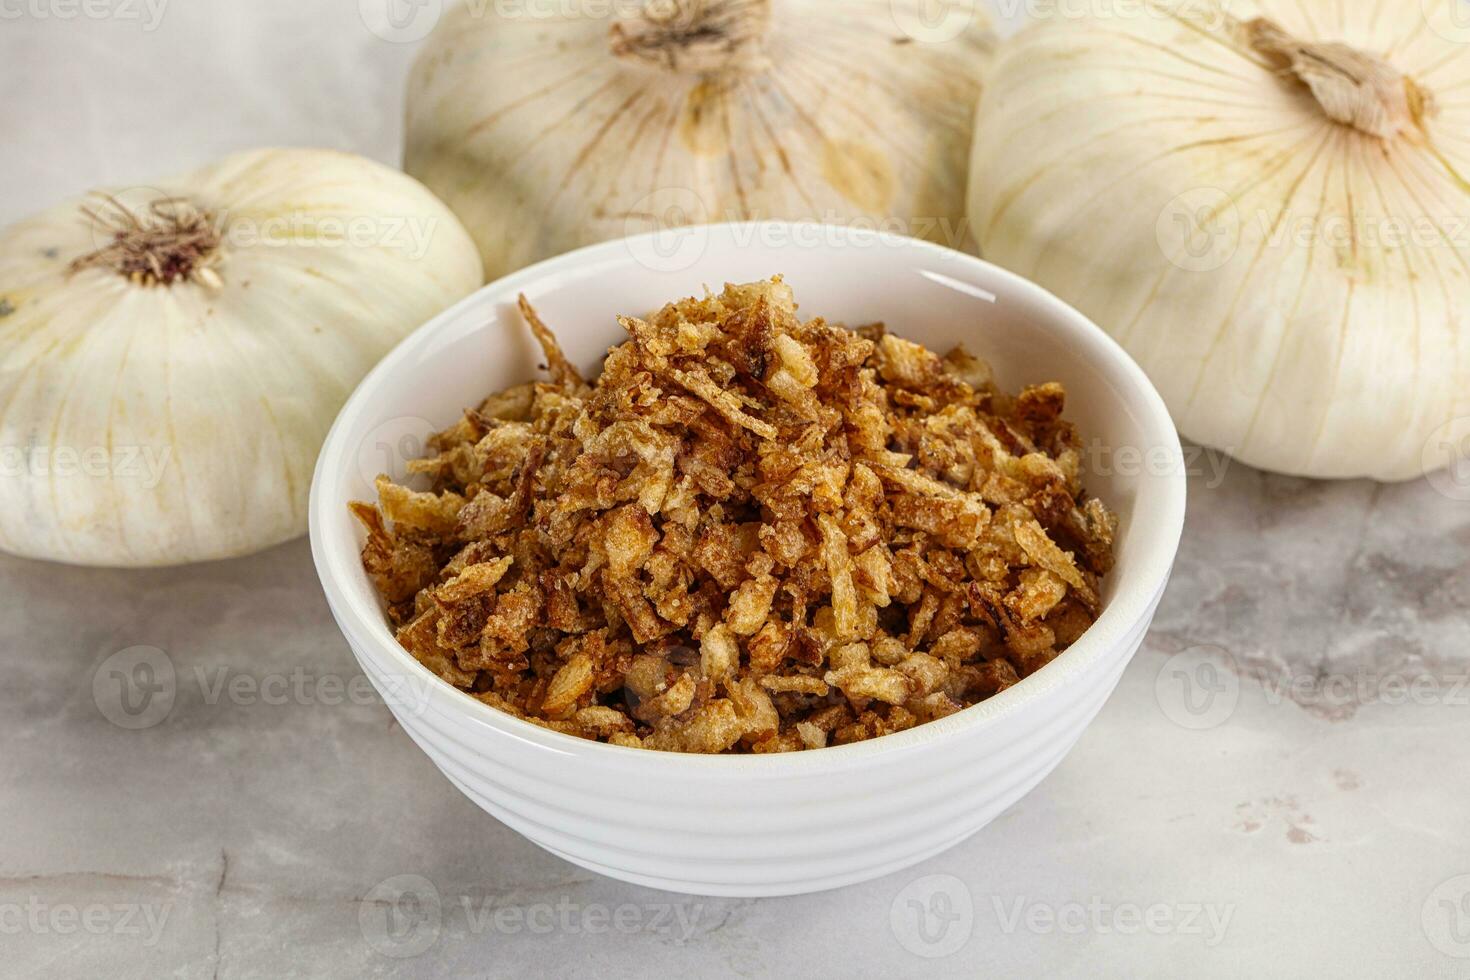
<point>146,424</point>
<point>1298,289</point>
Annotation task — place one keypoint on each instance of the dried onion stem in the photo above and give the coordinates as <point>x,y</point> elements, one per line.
<point>699,37</point>
<point>1353,87</point>
<point>173,241</point>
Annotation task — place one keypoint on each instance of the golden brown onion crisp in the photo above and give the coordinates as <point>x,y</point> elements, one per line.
<point>749,534</point>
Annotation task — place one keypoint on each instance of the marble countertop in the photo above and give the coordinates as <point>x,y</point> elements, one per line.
<point>1278,786</point>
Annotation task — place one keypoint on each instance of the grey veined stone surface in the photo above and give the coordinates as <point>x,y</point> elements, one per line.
<point>1277,785</point>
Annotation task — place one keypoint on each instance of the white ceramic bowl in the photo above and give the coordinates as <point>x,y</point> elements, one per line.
<point>781,824</point>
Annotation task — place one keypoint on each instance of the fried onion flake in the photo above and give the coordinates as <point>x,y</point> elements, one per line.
<point>751,533</point>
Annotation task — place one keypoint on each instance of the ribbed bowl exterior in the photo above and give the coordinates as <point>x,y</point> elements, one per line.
<point>774,824</point>
<point>746,833</point>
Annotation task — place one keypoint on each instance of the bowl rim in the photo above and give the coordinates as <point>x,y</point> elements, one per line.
<point>1137,593</point>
